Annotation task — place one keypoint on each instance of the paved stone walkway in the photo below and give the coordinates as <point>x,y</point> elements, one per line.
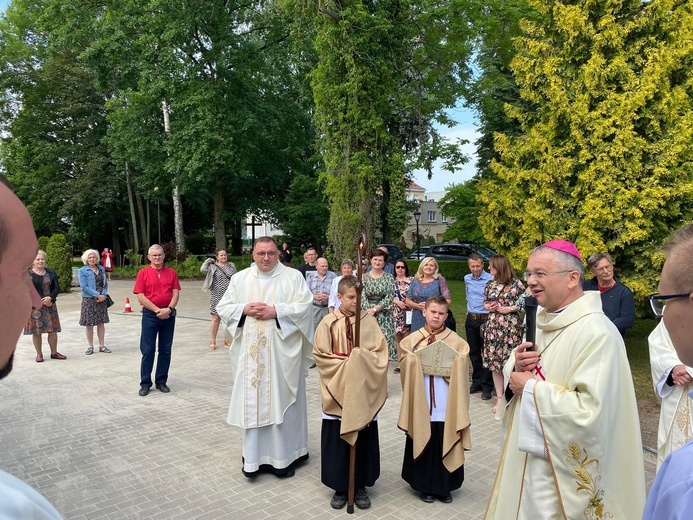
<point>78,432</point>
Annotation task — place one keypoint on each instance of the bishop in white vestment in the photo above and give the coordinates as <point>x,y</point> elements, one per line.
<point>572,446</point>
<point>672,384</point>
<point>266,313</point>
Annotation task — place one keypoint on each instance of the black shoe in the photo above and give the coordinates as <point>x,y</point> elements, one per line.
<point>474,389</point>
<point>339,500</point>
<point>446,499</point>
<point>144,390</point>
<point>486,395</point>
<point>361,499</point>
<point>396,371</point>
<point>288,473</point>
<point>312,366</point>
<point>163,388</point>
<point>429,499</point>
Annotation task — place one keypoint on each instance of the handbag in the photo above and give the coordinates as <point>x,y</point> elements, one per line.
<point>109,300</point>
<point>450,321</point>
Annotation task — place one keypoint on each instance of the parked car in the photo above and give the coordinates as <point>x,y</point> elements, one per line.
<point>458,251</point>
<point>393,252</point>
<point>419,253</point>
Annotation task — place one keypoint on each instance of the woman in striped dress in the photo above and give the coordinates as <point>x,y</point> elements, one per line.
<point>219,272</point>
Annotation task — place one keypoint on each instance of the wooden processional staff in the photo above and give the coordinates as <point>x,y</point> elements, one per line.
<point>360,249</point>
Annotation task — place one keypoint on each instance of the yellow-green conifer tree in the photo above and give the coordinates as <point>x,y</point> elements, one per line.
<point>605,156</point>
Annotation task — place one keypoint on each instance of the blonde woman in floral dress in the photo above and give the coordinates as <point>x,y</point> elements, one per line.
<point>502,330</point>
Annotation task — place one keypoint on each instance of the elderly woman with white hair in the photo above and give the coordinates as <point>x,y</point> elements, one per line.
<point>92,279</point>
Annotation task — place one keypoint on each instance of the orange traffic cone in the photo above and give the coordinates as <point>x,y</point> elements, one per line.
<point>128,307</point>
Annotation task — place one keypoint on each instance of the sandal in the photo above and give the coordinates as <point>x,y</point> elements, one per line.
<point>105,349</point>
<point>212,346</point>
<point>39,358</point>
<point>89,351</point>
<point>226,342</point>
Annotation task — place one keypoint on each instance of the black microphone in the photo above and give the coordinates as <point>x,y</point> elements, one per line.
<point>531,317</point>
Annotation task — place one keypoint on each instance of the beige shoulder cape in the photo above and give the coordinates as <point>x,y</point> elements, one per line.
<point>414,416</point>
<point>353,386</point>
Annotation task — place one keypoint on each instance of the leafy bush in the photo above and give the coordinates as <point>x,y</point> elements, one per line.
<point>134,259</point>
<point>59,259</point>
<point>43,243</point>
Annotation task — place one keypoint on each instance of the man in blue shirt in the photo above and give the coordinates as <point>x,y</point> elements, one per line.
<point>671,495</point>
<point>474,284</point>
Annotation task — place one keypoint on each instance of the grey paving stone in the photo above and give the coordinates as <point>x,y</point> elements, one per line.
<point>78,432</point>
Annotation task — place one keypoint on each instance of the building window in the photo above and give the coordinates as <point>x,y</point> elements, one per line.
<point>431,216</point>
<point>444,219</point>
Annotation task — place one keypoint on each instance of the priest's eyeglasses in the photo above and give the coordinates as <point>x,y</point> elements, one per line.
<point>270,254</point>
<point>658,301</point>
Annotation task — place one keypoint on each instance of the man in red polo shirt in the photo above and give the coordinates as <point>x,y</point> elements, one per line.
<point>157,288</point>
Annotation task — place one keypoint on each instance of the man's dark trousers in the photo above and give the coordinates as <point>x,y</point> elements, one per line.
<point>481,377</point>
<point>151,328</point>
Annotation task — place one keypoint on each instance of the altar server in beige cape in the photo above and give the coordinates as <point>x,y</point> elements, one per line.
<point>266,313</point>
<point>353,384</point>
<point>571,436</point>
<point>435,410</point>
<point>672,383</point>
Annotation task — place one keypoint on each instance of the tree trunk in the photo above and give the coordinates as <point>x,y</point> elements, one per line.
<point>133,218</point>
<point>384,224</point>
<point>219,227</point>
<point>177,202</point>
<point>236,240</point>
<point>143,220</point>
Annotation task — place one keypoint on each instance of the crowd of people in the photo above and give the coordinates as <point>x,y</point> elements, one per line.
<point>571,445</point>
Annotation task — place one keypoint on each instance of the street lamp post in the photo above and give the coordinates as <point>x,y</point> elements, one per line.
<point>417,216</point>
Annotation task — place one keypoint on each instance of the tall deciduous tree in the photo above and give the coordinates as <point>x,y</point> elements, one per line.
<point>605,154</point>
<point>385,73</point>
<point>460,202</point>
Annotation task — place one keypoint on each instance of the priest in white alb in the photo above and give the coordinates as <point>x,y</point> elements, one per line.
<point>266,313</point>
<point>572,446</point>
<point>672,384</point>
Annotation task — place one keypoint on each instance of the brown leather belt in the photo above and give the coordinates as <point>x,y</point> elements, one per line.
<point>477,317</point>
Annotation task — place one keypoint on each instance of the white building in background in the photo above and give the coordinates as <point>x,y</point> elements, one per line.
<point>432,223</point>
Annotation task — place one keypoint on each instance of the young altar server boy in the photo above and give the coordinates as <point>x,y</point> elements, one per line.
<point>435,408</point>
<point>353,383</point>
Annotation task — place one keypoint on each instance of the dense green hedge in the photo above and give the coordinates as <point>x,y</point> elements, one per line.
<point>187,270</point>
<point>59,259</point>
<point>451,270</point>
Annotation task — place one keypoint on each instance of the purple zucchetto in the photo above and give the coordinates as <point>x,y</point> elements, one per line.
<point>564,246</point>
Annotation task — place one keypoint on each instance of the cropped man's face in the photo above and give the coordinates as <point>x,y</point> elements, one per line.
<point>678,314</point>
<point>17,293</point>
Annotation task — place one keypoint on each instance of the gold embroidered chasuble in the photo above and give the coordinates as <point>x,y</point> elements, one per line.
<point>587,420</point>
<point>676,413</point>
<point>266,358</point>
<point>414,415</point>
<point>353,384</point>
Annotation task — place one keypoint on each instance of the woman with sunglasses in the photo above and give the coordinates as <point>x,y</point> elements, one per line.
<point>400,309</point>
